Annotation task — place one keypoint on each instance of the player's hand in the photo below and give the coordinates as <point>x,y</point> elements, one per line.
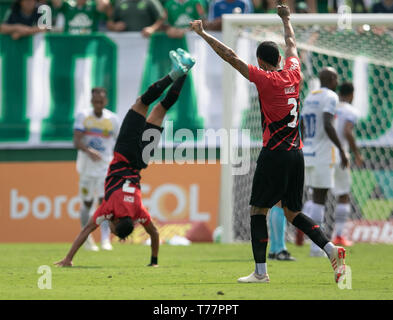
<point>283,10</point>
<point>344,160</point>
<point>147,32</point>
<point>64,263</point>
<point>116,26</point>
<point>94,154</point>
<point>197,26</point>
<point>16,35</point>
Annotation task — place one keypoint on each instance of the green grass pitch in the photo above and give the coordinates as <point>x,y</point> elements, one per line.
<point>199,271</point>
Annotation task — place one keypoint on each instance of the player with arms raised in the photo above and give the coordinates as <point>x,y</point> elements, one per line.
<point>280,168</point>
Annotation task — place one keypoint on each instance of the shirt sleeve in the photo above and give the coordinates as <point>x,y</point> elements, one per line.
<point>78,124</point>
<point>331,104</point>
<point>116,14</point>
<point>351,117</point>
<point>157,9</point>
<point>8,17</point>
<point>257,75</point>
<point>100,216</point>
<point>292,64</point>
<point>145,217</point>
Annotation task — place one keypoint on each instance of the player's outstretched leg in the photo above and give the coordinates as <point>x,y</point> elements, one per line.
<point>314,232</point>
<point>159,111</point>
<point>153,129</point>
<point>299,237</point>
<point>156,89</point>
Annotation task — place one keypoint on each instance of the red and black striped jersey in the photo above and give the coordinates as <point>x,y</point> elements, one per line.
<point>279,102</point>
<point>120,171</point>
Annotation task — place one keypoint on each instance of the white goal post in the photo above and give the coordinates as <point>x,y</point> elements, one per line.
<point>232,23</point>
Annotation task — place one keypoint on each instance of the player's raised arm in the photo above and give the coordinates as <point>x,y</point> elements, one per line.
<point>290,41</point>
<point>221,49</point>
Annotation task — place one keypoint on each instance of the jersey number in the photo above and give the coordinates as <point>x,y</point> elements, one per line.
<point>293,112</point>
<point>309,130</point>
<point>127,188</point>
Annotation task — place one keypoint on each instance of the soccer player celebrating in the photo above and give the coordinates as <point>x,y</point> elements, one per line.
<point>95,132</point>
<point>347,117</point>
<point>320,137</point>
<point>280,168</point>
<point>122,205</point>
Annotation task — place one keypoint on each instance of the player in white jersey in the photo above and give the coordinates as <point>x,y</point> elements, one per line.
<point>95,132</point>
<point>347,117</point>
<point>319,138</point>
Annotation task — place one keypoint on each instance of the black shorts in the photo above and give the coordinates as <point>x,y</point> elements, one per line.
<point>131,141</point>
<point>279,176</point>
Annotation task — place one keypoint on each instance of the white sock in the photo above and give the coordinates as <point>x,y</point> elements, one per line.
<point>328,248</point>
<point>342,212</point>
<point>260,268</point>
<point>317,213</point>
<point>105,231</point>
<point>307,208</point>
<point>84,215</point>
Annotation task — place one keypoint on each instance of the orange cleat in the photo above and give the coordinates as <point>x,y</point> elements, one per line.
<point>341,241</point>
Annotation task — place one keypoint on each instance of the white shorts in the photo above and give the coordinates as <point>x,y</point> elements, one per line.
<point>320,177</point>
<point>342,181</point>
<point>91,187</point>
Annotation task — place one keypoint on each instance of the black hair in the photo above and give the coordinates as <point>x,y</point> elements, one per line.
<point>99,90</point>
<point>124,227</point>
<point>346,89</point>
<point>268,52</point>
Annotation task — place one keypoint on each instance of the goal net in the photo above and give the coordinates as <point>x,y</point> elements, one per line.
<point>360,48</point>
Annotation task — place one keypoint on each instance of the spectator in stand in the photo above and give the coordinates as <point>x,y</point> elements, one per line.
<point>80,17</point>
<point>385,6</point>
<point>146,16</point>
<point>359,6</point>
<point>220,7</point>
<point>21,19</point>
<point>179,15</point>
